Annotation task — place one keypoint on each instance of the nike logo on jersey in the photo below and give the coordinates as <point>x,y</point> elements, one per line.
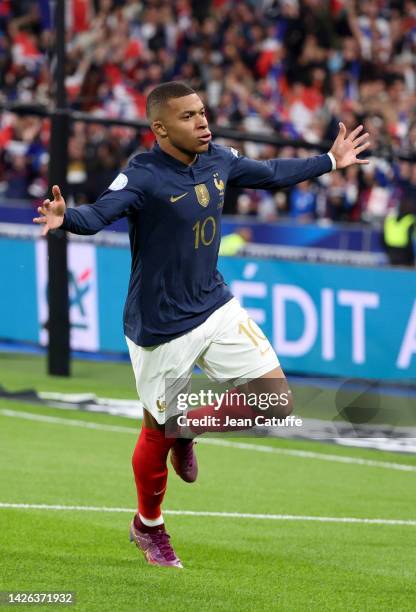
<point>176,198</point>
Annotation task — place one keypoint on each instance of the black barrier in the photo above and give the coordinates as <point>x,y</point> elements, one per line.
<point>39,110</point>
<point>58,298</point>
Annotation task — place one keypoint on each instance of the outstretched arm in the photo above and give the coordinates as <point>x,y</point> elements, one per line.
<point>123,195</point>
<point>274,173</point>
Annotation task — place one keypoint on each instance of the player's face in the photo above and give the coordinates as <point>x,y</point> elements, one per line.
<point>186,124</point>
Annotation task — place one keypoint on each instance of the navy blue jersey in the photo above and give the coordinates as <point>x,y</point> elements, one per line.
<point>174,215</point>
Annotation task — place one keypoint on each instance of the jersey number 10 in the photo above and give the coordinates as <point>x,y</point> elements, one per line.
<point>205,232</point>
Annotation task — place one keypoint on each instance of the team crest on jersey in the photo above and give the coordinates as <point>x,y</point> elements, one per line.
<point>219,183</point>
<point>161,405</point>
<point>202,194</point>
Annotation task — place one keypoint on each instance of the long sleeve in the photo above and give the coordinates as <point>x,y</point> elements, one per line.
<point>124,195</point>
<point>274,173</point>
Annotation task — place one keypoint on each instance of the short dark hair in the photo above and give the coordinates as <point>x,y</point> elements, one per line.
<point>160,95</point>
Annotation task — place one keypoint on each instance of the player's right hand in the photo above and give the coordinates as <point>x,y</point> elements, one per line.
<point>52,211</point>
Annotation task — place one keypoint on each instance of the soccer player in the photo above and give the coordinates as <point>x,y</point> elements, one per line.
<point>179,312</point>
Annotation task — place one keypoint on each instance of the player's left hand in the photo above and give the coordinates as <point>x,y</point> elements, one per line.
<point>346,148</point>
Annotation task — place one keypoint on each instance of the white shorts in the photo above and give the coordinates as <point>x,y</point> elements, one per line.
<point>228,346</point>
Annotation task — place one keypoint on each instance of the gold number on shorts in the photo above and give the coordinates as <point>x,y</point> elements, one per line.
<point>255,329</point>
<point>253,333</point>
<point>243,329</point>
<point>200,232</point>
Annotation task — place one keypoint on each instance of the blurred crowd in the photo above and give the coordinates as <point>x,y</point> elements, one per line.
<point>293,68</point>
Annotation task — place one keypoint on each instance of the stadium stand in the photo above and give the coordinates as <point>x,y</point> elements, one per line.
<point>292,67</point>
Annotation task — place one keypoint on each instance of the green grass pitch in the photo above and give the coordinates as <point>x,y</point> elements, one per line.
<point>230,563</point>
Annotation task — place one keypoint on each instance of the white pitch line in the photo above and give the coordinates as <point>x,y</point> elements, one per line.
<point>238,515</point>
<point>403,467</point>
<point>389,465</point>
<point>71,422</point>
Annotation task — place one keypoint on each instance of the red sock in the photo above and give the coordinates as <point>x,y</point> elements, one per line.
<point>231,406</point>
<point>150,470</point>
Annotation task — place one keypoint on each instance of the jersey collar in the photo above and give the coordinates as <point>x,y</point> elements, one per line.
<point>172,161</point>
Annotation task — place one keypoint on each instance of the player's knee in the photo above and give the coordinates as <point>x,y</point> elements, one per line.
<point>279,405</point>
<point>274,398</point>
<point>280,409</point>
<point>285,406</point>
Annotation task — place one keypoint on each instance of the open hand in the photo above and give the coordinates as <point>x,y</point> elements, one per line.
<point>52,211</point>
<point>346,148</point>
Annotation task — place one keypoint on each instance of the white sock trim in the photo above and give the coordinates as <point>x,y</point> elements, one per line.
<point>151,522</point>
